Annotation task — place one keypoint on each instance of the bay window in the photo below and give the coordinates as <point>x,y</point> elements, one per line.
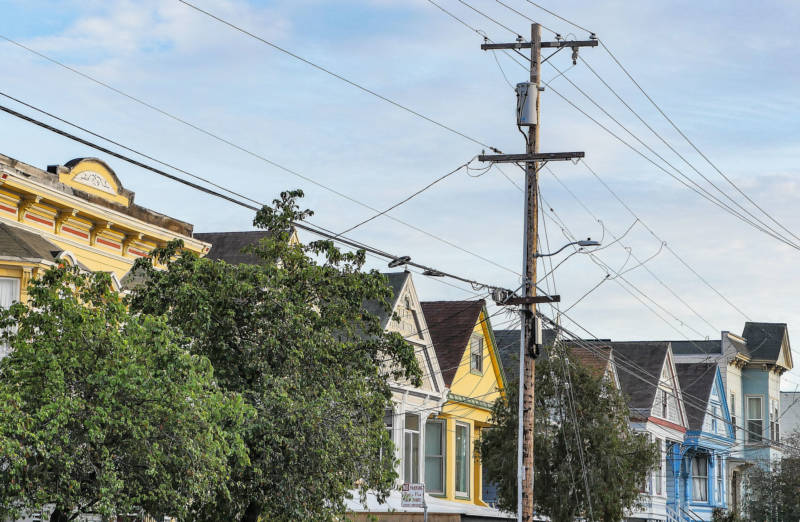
<point>462,460</point>
<point>435,432</point>
<point>9,294</point>
<point>700,478</point>
<point>755,419</point>
<point>411,449</point>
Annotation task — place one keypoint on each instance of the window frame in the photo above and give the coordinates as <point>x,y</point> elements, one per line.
<point>733,413</point>
<point>719,478</point>
<point>442,456</point>
<point>476,365</point>
<point>774,418</point>
<point>664,404</point>
<point>700,478</point>
<point>459,493</point>
<point>408,463</point>
<point>659,474</point>
<point>17,292</point>
<point>749,437</point>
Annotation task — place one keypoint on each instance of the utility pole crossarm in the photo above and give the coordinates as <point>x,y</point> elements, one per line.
<point>539,156</point>
<point>550,45</point>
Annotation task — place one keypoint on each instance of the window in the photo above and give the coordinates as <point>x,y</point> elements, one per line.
<point>733,413</point>
<point>700,478</point>
<point>660,469</point>
<point>412,312</point>
<point>755,419</point>
<point>388,422</point>
<point>9,294</point>
<point>411,449</point>
<point>774,415</point>
<point>718,490</point>
<point>664,404</point>
<point>462,460</point>
<point>714,415</point>
<point>435,456</point>
<point>476,354</point>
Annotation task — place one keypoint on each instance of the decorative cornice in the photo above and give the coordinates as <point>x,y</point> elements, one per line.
<point>469,401</point>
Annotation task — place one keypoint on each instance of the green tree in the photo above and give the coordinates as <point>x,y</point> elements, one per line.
<point>106,412</point>
<point>615,459</point>
<point>291,334</point>
<point>771,490</point>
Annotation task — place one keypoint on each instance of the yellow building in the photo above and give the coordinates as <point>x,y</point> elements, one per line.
<point>79,214</point>
<point>473,374</point>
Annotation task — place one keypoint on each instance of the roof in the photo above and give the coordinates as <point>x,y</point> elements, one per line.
<point>595,358</point>
<point>703,347</point>
<point>645,359</point>
<point>764,340</point>
<point>20,243</point>
<point>508,350</point>
<point>696,380</point>
<point>396,281</point>
<point>227,246</point>
<point>450,324</point>
<point>50,178</point>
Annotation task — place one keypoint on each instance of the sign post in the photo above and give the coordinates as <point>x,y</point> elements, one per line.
<point>413,495</point>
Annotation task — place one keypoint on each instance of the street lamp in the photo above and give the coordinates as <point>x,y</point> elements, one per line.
<point>588,242</point>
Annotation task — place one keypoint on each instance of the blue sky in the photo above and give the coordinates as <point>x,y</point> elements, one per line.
<point>725,71</point>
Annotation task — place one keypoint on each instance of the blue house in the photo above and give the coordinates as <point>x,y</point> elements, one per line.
<point>707,443</point>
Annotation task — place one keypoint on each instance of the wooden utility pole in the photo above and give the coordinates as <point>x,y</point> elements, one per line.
<point>526,388</point>
<point>529,348</point>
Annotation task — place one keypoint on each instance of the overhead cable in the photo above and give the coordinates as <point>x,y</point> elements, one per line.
<point>335,75</point>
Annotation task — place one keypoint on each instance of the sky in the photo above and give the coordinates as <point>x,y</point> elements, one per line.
<point>726,72</point>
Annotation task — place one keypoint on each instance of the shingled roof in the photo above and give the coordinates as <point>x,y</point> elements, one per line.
<point>23,244</point>
<point>396,281</point>
<point>703,347</point>
<point>764,340</point>
<point>450,324</point>
<point>643,361</point>
<point>696,380</point>
<point>227,246</point>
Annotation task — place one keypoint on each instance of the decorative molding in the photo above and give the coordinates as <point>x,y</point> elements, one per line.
<point>95,180</point>
<point>470,401</point>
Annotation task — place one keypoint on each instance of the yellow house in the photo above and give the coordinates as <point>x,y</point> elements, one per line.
<point>79,214</point>
<point>473,373</point>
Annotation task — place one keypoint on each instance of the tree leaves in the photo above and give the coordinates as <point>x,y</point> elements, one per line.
<point>104,411</point>
<point>615,459</point>
<point>291,335</point>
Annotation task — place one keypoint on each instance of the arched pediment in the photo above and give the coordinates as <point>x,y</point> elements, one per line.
<point>95,177</point>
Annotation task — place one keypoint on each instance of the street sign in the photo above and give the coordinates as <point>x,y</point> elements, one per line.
<point>412,495</point>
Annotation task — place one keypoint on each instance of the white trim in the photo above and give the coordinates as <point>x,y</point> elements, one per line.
<point>468,461</point>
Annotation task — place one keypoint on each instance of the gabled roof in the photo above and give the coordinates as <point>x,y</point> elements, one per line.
<point>397,280</point>
<point>23,244</point>
<point>703,347</point>
<point>697,380</point>
<point>764,340</point>
<point>227,246</point>
<point>644,361</point>
<point>450,324</point>
<point>594,355</point>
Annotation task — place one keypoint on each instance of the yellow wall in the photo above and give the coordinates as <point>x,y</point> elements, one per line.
<point>486,387</point>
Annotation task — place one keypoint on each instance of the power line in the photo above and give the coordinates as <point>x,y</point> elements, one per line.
<point>335,75</point>
<point>691,143</point>
<point>316,229</point>
<point>254,154</point>
<point>410,197</point>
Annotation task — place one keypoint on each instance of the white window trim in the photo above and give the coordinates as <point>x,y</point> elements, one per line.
<point>463,494</point>
<point>418,433</point>
<point>747,433</point>
<point>472,338</point>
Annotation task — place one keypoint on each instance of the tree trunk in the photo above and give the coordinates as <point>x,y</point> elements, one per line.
<point>251,513</point>
<point>58,516</point>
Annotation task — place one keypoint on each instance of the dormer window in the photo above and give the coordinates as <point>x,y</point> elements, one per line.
<point>476,354</point>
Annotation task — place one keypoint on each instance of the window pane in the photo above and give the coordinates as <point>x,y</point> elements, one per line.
<point>754,407</point>
<point>9,294</point>
<point>462,462</point>
<point>700,479</point>
<point>433,439</point>
<point>412,422</point>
